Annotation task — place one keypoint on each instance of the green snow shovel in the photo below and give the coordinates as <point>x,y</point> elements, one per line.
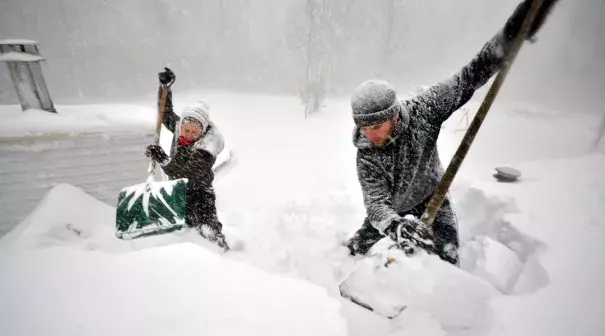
<point>152,208</point>
<point>387,285</point>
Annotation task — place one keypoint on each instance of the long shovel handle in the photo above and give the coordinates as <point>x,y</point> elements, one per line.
<point>439,195</point>
<point>158,127</point>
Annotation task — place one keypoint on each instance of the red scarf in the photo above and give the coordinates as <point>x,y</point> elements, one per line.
<point>184,142</point>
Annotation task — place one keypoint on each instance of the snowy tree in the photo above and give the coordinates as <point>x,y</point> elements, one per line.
<point>390,13</point>
<point>600,133</point>
<point>312,31</point>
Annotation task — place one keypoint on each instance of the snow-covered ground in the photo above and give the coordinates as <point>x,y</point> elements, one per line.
<point>55,284</point>
<point>290,195</point>
<point>74,118</point>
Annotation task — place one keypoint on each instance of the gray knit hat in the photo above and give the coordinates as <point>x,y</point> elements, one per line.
<point>374,102</point>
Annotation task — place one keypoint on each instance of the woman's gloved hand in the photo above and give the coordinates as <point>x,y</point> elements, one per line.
<point>156,153</point>
<point>167,77</point>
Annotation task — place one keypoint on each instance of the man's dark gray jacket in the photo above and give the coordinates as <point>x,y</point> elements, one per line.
<point>406,171</point>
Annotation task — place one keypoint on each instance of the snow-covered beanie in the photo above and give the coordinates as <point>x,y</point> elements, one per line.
<point>192,120</point>
<point>374,102</point>
<point>198,112</point>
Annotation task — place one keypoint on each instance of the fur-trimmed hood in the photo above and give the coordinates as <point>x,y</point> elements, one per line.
<point>211,140</point>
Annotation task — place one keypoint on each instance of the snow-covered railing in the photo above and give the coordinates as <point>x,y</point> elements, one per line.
<point>23,60</point>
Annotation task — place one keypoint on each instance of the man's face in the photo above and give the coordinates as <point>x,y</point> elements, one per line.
<point>380,134</point>
<point>191,131</point>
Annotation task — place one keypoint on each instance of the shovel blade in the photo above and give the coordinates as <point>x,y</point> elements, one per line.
<point>375,286</point>
<point>151,208</point>
<point>387,284</point>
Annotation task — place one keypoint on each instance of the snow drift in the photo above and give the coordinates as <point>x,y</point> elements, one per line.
<point>179,290</point>
<point>78,119</point>
<point>51,287</point>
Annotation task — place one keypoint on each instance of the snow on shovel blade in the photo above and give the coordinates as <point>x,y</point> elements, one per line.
<point>375,285</point>
<point>151,208</point>
<point>389,283</point>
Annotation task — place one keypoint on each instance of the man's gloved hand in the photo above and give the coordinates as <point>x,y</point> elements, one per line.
<point>167,77</point>
<point>513,25</point>
<point>156,153</point>
<point>545,9</point>
<point>410,233</point>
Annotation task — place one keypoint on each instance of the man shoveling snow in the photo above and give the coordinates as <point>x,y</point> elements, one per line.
<point>193,152</point>
<point>398,164</point>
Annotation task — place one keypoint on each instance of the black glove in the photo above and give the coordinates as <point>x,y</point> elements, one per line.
<point>156,153</point>
<point>410,233</point>
<point>513,25</point>
<point>167,77</point>
<point>545,9</point>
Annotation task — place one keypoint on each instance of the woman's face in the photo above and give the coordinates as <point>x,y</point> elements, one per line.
<point>191,131</point>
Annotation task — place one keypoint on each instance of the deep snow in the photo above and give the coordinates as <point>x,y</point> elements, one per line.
<point>291,194</point>
<point>95,284</point>
<point>171,290</point>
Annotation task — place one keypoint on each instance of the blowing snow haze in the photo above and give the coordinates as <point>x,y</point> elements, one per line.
<point>296,198</point>
<point>108,50</point>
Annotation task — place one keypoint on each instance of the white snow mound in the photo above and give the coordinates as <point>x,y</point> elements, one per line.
<point>74,119</point>
<point>455,298</point>
<point>181,289</point>
<point>493,262</point>
<point>178,289</point>
<point>67,216</point>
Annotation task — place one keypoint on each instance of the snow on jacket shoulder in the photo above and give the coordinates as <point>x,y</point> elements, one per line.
<point>212,141</point>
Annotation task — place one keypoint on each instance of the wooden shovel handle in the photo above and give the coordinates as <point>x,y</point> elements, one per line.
<point>439,195</point>
<point>158,125</point>
<point>161,112</point>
